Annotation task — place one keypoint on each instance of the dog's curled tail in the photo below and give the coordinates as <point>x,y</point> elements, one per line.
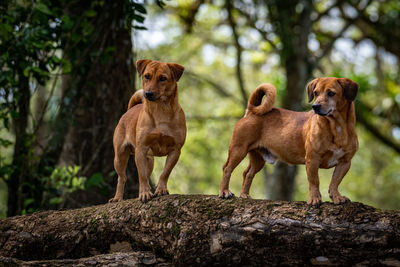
<point>255,105</point>
<point>137,98</point>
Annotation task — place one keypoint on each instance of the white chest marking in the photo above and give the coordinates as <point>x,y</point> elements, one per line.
<point>337,154</point>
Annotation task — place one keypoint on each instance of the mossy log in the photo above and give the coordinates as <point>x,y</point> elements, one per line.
<point>205,230</point>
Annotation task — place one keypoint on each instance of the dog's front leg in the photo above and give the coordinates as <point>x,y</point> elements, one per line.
<point>314,197</point>
<point>170,163</point>
<point>144,165</point>
<point>340,171</point>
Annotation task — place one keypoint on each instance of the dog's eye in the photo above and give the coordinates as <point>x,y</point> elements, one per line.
<point>147,76</point>
<point>163,78</point>
<point>315,93</point>
<point>330,93</point>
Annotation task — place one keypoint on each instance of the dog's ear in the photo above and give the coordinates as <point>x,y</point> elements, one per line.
<point>177,70</point>
<point>141,65</point>
<point>350,88</point>
<point>310,88</point>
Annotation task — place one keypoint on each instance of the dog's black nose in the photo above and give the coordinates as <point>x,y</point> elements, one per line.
<point>149,95</point>
<point>316,107</point>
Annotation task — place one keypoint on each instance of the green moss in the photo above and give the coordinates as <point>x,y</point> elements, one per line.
<point>270,206</point>
<point>229,210</point>
<point>176,230</point>
<point>104,216</point>
<point>92,228</point>
<point>167,215</point>
<point>171,210</point>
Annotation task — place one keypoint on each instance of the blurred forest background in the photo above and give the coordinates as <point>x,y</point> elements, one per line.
<point>67,72</point>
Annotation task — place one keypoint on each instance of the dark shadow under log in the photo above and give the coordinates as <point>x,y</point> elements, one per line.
<point>205,230</point>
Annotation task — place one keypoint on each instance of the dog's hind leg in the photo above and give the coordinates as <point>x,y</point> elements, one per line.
<point>170,162</point>
<point>255,165</point>
<point>120,161</point>
<point>236,155</point>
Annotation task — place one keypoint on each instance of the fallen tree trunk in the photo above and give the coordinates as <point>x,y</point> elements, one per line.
<point>205,230</point>
<point>137,258</point>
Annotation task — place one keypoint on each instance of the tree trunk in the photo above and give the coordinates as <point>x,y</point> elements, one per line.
<point>101,83</point>
<point>20,160</point>
<point>293,28</point>
<point>137,258</point>
<point>205,230</point>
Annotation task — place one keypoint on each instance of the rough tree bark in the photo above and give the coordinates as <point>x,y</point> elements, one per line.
<point>204,230</point>
<point>104,79</point>
<point>20,175</point>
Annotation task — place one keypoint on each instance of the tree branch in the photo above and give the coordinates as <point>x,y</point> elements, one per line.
<point>218,88</point>
<point>326,11</point>
<point>239,75</point>
<point>349,22</point>
<point>376,132</point>
<point>251,23</point>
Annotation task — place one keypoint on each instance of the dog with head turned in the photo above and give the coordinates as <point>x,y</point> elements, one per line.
<point>322,138</point>
<point>154,125</point>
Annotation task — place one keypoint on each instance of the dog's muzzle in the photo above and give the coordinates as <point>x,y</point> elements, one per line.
<point>318,110</point>
<point>149,96</point>
<point>316,107</point>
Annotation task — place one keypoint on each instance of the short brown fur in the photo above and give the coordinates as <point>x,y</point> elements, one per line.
<point>153,126</point>
<point>322,139</point>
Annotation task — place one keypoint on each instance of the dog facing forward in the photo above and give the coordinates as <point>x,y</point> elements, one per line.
<point>154,125</point>
<point>322,138</point>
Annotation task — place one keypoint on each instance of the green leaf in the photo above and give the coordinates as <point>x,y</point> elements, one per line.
<point>139,8</point>
<point>94,180</point>
<point>44,9</point>
<point>66,65</point>
<point>90,13</point>
<point>55,200</point>
<point>28,201</point>
<point>160,3</point>
<point>138,18</point>
<point>14,114</point>
<point>67,23</point>
<point>139,27</point>
<point>26,71</point>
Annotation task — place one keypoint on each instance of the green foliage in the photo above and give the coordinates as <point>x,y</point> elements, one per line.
<point>3,199</point>
<point>208,55</point>
<point>35,36</point>
<point>65,180</point>
<point>28,34</point>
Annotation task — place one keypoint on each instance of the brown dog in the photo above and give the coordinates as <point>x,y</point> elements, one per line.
<point>322,138</point>
<point>154,125</point>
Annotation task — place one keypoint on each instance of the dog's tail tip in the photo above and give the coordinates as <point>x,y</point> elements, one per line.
<point>256,105</point>
<point>137,98</point>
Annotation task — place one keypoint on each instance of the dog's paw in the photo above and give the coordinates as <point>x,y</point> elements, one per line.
<point>314,199</point>
<point>115,199</point>
<point>161,192</point>
<point>339,199</point>
<point>145,196</point>
<point>245,196</point>
<point>226,194</point>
